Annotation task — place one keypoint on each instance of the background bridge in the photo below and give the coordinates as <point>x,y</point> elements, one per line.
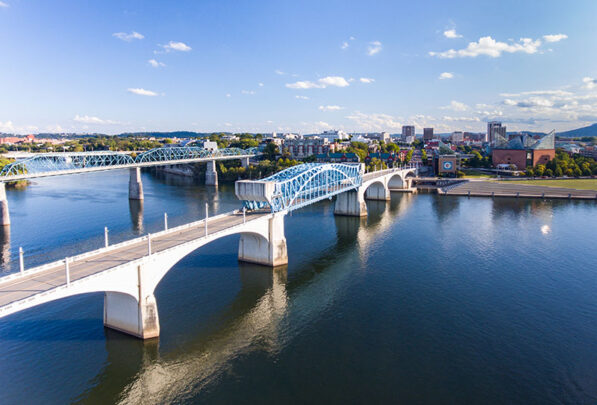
<point>60,164</point>
<point>57,164</point>
<point>129,272</point>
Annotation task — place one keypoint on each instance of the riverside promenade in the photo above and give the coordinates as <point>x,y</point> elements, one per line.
<point>490,188</point>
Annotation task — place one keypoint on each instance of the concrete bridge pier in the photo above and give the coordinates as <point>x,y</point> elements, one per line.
<point>272,252</point>
<point>135,184</point>
<point>211,175</point>
<point>133,315</point>
<point>351,203</point>
<point>4,213</point>
<point>244,162</point>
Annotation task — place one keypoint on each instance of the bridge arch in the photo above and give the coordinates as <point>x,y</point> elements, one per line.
<point>377,190</point>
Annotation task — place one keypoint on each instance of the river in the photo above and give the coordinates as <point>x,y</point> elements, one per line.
<point>430,299</point>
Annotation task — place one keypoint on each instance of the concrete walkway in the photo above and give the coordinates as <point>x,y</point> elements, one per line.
<point>511,189</point>
<point>17,288</point>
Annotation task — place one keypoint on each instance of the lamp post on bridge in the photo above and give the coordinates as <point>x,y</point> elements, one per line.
<point>206,216</point>
<point>106,236</point>
<point>165,221</point>
<point>21,261</point>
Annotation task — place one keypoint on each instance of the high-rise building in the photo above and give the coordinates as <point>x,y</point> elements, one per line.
<point>493,128</point>
<point>457,137</point>
<point>408,130</point>
<point>427,134</point>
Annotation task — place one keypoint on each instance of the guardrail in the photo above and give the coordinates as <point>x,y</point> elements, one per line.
<point>22,302</point>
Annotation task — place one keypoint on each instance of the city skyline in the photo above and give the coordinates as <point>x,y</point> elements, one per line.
<point>284,67</point>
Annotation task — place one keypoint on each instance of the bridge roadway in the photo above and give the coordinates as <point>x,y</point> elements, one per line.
<point>52,275</point>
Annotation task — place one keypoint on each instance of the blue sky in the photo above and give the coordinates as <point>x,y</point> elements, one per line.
<point>301,66</point>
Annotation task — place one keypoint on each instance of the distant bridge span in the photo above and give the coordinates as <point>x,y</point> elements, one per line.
<point>129,272</point>
<point>61,164</point>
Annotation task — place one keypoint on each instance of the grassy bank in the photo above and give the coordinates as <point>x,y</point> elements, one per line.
<point>579,184</point>
<point>476,174</point>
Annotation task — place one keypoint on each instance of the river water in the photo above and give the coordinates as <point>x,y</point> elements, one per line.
<point>430,299</point>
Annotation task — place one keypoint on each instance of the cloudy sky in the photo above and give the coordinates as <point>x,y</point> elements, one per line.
<point>302,66</point>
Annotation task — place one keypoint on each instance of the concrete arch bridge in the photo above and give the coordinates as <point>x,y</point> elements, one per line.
<point>129,272</point>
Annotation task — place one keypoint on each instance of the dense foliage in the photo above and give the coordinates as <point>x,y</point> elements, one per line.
<point>565,165</point>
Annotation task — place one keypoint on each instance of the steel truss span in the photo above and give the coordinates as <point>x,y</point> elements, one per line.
<point>305,184</point>
<point>45,164</point>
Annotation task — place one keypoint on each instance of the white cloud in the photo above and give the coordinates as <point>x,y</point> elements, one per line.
<point>302,97</point>
<point>279,72</point>
<point>86,119</point>
<point>451,34</point>
<point>373,48</point>
<point>492,48</point>
<point>260,84</point>
<point>330,108</point>
<point>375,121</point>
<point>3,4</point>
<point>336,81</point>
<point>6,126</point>
<point>344,45</point>
<point>538,93</point>
<point>352,38</point>
<point>176,46</point>
<point>446,75</point>
<point>554,37</point>
<point>589,83</point>
<point>128,37</point>
<point>155,63</point>
<point>228,95</point>
<point>366,80</point>
<point>455,106</point>
<point>142,92</point>
<point>250,92</point>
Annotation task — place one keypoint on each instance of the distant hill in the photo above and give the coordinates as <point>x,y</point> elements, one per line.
<point>591,130</point>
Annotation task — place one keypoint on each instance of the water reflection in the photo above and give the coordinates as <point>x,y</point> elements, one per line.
<point>252,322</point>
<point>265,315</point>
<point>445,206</point>
<point>4,244</point>
<point>136,211</point>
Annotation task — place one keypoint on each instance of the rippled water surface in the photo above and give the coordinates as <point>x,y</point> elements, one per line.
<point>428,300</point>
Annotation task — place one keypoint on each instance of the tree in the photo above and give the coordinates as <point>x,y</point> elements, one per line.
<point>539,170</point>
<point>529,172</point>
<point>424,156</point>
<point>558,172</point>
<point>271,150</point>
<point>549,173</point>
<point>577,172</point>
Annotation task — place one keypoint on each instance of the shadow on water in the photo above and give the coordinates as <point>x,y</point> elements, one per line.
<point>257,319</point>
<point>445,206</point>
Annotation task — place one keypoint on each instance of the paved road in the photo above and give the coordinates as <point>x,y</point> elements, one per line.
<point>20,288</point>
<point>485,188</point>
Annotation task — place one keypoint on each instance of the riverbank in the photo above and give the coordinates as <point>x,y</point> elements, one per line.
<point>480,188</point>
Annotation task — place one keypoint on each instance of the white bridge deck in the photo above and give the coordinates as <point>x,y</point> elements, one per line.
<point>20,286</point>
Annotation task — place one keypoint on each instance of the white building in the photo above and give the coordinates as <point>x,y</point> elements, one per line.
<point>334,135</point>
<point>457,137</point>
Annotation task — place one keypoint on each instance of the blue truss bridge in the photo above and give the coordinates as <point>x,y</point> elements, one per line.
<point>56,164</point>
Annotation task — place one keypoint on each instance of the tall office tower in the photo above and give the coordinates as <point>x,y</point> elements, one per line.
<point>427,134</point>
<point>493,128</point>
<point>408,130</point>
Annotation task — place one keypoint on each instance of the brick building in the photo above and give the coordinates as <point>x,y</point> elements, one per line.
<point>523,151</point>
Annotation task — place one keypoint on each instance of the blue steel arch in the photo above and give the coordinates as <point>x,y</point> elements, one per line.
<point>70,161</point>
<point>189,152</point>
<point>307,183</point>
<point>54,162</point>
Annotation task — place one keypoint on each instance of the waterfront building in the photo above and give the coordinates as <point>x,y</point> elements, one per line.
<point>523,151</point>
<point>337,158</point>
<point>300,148</point>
